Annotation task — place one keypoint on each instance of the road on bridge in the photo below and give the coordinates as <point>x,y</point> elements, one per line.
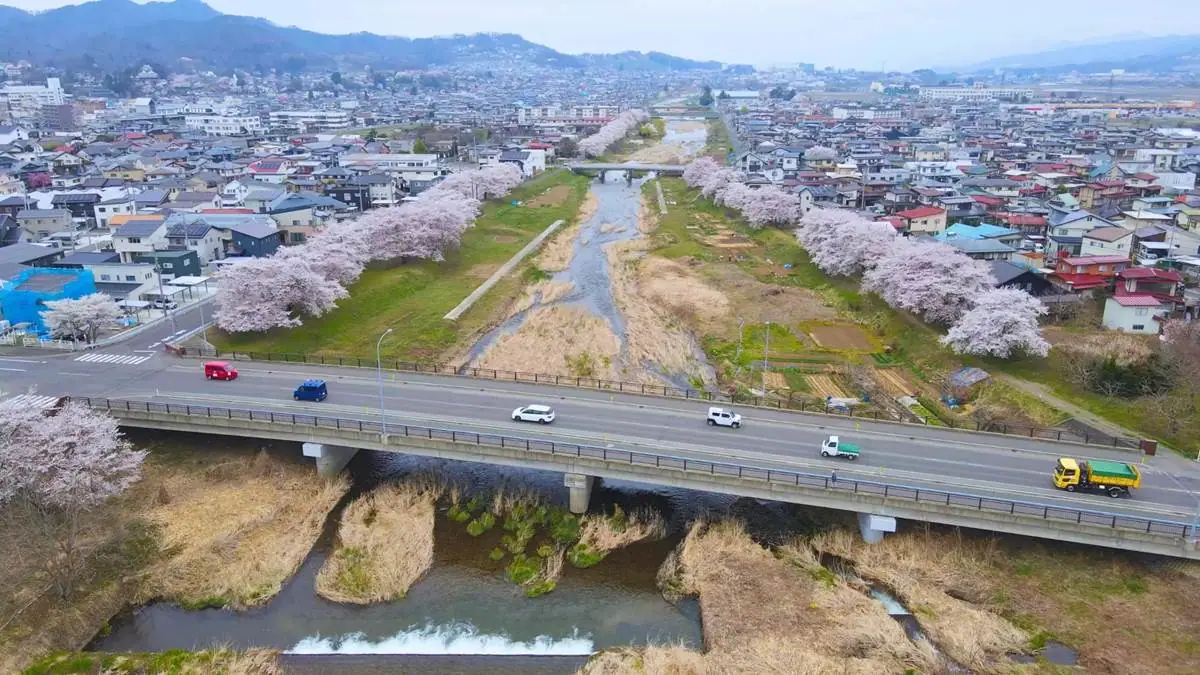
<point>977,463</point>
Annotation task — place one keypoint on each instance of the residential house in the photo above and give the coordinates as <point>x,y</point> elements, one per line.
<point>923,220</point>
<point>1020,278</point>
<point>1065,231</point>
<point>11,232</point>
<point>1079,273</point>
<point>42,223</point>
<point>983,231</point>
<point>128,171</point>
<point>530,162</point>
<point>149,200</point>
<point>1136,219</point>
<point>250,236</point>
<point>983,249</point>
<point>195,201</point>
<point>271,170</point>
<point>118,206</point>
<point>382,190</point>
<point>138,236</point>
<point>173,263</point>
<point>185,231</point>
<point>124,281</point>
<point>1166,286</point>
<point>1107,241</point>
<point>12,205</point>
<point>82,205</point>
<point>1140,314</point>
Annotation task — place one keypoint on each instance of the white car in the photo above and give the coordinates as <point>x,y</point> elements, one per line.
<point>542,414</point>
<point>724,418</point>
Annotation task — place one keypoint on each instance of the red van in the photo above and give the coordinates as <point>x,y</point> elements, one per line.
<point>219,370</point>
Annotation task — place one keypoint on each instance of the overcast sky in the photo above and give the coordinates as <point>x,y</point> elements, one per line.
<point>869,34</point>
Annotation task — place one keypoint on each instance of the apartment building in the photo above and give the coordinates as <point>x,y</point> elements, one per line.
<point>225,125</point>
<point>308,120</point>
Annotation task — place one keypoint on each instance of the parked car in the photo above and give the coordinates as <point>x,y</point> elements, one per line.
<point>542,414</point>
<point>311,390</point>
<point>833,447</point>
<point>220,370</point>
<point>163,303</point>
<point>721,417</point>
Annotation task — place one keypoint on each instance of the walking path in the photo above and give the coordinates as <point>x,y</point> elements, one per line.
<point>500,273</point>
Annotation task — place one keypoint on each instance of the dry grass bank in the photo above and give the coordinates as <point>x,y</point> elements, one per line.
<point>603,533</point>
<point>557,340</point>
<point>544,292</point>
<point>764,613</point>
<point>1124,613</point>
<point>557,252</point>
<point>241,525</point>
<point>385,543</point>
<point>210,523</point>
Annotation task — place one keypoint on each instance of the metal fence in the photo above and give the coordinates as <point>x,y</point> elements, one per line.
<point>789,402</point>
<point>962,500</point>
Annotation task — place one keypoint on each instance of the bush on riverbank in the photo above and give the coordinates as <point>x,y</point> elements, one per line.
<point>385,543</point>
<point>172,662</point>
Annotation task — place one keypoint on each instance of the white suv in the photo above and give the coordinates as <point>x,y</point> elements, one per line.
<point>542,414</point>
<point>724,418</point>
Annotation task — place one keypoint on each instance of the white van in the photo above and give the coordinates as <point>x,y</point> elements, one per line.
<point>720,417</point>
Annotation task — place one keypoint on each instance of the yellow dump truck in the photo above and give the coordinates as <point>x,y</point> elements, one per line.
<point>1115,479</point>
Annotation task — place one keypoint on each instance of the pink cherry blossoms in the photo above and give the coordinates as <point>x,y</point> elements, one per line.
<point>931,279</point>
<point>842,243</point>
<point>308,280</point>
<point>1003,321</point>
<point>765,205</point>
<point>599,142</point>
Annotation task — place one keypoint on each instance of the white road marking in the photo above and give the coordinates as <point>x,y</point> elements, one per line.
<point>5,358</point>
<point>33,401</point>
<point>123,359</point>
<point>15,370</point>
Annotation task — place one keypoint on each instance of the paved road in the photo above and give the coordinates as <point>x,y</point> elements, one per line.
<point>986,464</point>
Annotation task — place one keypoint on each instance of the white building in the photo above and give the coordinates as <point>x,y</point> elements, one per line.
<point>26,100</point>
<point>866,114</point>
<point>975,93</point>
<point>556,114</point>
<point>309,120</point>
<point>1140,314</point>
<point>225,125</point>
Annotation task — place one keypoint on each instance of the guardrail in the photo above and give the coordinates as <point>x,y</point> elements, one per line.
<point>962,500</point>
<point>781,403</point>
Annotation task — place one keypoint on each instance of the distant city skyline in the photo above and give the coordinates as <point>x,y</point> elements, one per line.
<point>864,34</point>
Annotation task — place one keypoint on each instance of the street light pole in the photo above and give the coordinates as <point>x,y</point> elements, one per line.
<point>766,358</point>
<point>738,359</point>
<point>158,271</point>
<point>379,375</point>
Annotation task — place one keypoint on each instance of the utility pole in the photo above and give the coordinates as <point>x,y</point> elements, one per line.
<point>158,271</point>
<point>737,360</point>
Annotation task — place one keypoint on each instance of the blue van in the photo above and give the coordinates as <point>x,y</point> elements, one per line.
<point>311,390</point>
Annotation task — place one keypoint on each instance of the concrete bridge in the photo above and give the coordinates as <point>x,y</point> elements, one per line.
<point>334,439</point>
<point>628,167</point>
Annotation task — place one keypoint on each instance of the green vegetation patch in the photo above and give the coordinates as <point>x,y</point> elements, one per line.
<point>412,298</point>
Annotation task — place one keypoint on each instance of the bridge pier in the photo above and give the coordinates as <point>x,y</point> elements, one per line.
<point>874,527</point>
<point>580,489</point>
<point>331,459</point>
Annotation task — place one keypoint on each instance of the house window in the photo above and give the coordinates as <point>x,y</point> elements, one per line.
<point>168,266</point>
<point>1138,326</point>
<point>1141,311</point>
<point>1104,268</point>
<point>134,240</point>
<point>103,277</point>
<point>193,242</point>
<point>297,237</point>
<point>130,277</point>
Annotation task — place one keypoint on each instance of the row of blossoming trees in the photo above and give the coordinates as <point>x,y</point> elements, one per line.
<point>309,279</point>
<point>930,279</point>
<point>620,127</point>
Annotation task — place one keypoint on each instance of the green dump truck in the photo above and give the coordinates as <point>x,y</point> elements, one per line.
<point>1115,479</point>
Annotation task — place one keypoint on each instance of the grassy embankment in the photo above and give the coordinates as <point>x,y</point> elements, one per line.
<point>210,524</point>
<point>411,299</point>
<point>172,662</point>
<point>977,599</point>
<point>751,268</point>
<point>718,146</point>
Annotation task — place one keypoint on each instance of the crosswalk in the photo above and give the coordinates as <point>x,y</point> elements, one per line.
<point>122,359</point>
<point>31,401</point>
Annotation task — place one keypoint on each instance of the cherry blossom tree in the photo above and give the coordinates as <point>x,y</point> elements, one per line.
<point>931,279</point>
<point>718,179</point>
<point>843,243</point>
<point>488,182</point>
<point>274,292</point>
<point>81,316</point>
<point>620,127</point>
<point>55,467</point>
<point>1003,321</point>
<point>769,205</point>
<point>820,153</point>
<point>696,173</point>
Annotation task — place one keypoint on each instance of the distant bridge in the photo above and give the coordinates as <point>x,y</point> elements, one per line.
<point>667,169</point>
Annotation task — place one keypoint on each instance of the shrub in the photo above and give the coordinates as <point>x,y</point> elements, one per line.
<point>522,569</point>
<point>497,554</point>
<point>583,556</point>
<point>541,587</point>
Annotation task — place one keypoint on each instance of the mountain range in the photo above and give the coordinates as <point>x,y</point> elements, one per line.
<point>1135,53</point>
<point>116,34</point>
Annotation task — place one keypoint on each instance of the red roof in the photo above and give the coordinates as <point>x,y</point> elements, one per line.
<point>1150,273</point>
<point>1082,282</point>
<point>1021,219</point>
<point>1146,176</point>
<point>921,212</point>
<point>1095,259</point>
<point>989,201</point>
<point>897,223</point>
<point>1137,301</point>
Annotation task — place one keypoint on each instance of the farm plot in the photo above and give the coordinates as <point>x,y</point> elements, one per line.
<point>841,336</point>
<point>895,382</point>
<point>825,386</point>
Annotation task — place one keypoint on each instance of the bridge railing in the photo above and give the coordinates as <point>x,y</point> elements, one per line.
<point>781,402</point>
<point>830,482</point>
